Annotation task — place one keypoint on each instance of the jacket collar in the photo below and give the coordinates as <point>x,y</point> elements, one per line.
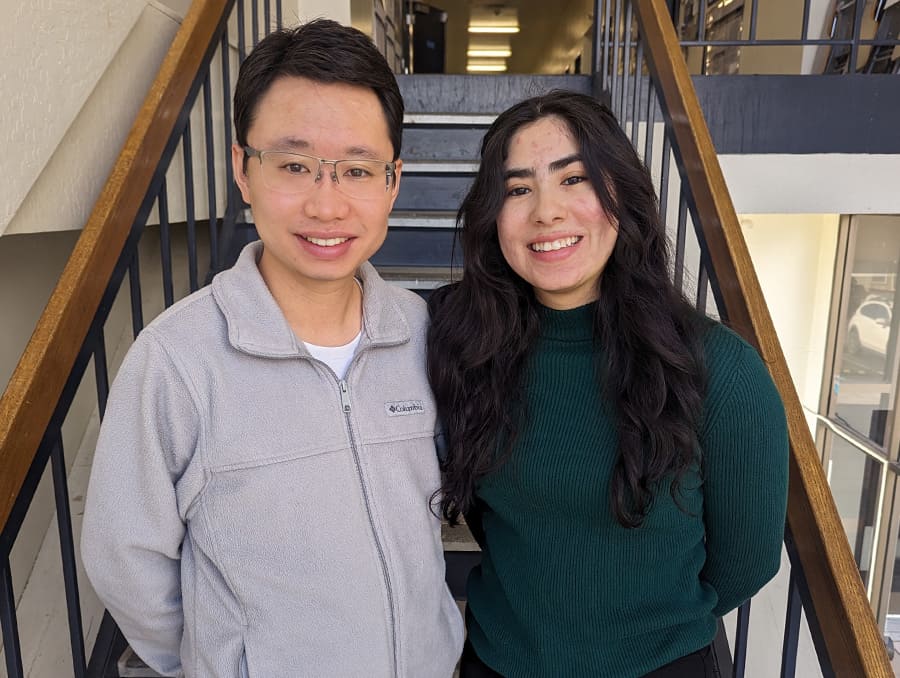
<point>257,326</point>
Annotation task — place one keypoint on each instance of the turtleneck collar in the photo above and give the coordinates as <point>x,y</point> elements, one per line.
<point>575,324</point>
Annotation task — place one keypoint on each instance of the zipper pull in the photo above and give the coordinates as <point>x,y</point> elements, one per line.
<point>345,396</point>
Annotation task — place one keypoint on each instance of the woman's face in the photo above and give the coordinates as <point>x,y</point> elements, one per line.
<point>553,231</point>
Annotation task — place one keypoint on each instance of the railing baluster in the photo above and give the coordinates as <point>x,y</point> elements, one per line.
<point>626,67</point>
<point>740,640</point>
<point>804,33</point>
<point>664,178</point>
<point>211,174</point>
<point>680,238</point>
<point>615,69</point>
<point>636,94</point>
<point>226,110</point>
<point>267,14</point>
<point>651,123</point>
<point>606,45</point>
<point>67,549</point>
<point>701,22</point>
<point>791,630</point>
<point>10,628</point>
<point>702,288</point>
<point>858,10</point>
<point>189,207</point>
<point>242,27</point>
<point>279,23</point>
<point>255,21</point>
<point>753,16</point>
<point>134,284</point>
<point>165,245</point>
<point>101,372</point>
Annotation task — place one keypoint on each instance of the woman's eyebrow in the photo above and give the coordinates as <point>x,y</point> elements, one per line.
<point>555,166</point>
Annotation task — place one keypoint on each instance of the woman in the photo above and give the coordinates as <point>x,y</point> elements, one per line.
<point>621,460</point>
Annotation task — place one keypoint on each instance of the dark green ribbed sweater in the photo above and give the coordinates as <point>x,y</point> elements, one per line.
<point>563,590</point>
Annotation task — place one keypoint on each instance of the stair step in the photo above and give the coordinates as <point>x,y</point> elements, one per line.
<point>401,219</point>
<point>439,166</point>
<point>449,119</point>
<point>432,192</point>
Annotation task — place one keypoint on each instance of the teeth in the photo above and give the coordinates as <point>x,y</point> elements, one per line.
<point>325,242</point>
<point>554,244</point>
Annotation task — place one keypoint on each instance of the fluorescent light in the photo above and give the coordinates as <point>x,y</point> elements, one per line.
<point>486,68</point>
<point>501,53</point>
<point>493,29</point>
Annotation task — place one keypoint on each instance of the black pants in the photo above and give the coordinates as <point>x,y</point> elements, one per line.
<point>699,664</point>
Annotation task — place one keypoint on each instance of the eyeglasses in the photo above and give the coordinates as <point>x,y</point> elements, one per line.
<point>296,173</point>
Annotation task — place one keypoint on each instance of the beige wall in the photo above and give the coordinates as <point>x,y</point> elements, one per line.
<point>75,73</point>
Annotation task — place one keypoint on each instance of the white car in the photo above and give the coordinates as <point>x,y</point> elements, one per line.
<point>870,327</point>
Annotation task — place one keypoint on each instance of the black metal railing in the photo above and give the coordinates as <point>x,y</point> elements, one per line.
<point>722,28</point>
<point>199,228</point>
<point>625,72</point>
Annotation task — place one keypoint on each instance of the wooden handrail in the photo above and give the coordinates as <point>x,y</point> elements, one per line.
<point>35,387</point>
<point>849,630</point>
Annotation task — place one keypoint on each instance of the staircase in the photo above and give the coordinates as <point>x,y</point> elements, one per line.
<point>641,72</point>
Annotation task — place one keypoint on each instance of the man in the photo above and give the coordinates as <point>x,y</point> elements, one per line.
<point>259,501</point>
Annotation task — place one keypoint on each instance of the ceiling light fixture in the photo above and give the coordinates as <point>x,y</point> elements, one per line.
<point>493,29</point>
<point>486,68</point>
<point>500,53</point>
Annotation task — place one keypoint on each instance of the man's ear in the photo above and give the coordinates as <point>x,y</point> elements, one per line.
<point>240,177</point>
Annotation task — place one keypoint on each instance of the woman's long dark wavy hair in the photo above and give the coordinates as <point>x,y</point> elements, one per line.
<point>484,326</point>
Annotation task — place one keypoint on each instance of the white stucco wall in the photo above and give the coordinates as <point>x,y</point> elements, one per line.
<point>65,190</point>
<point>54,53</point>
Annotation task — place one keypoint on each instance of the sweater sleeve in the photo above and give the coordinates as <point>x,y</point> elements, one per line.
<point>133,530</point>
<point>744,445</point>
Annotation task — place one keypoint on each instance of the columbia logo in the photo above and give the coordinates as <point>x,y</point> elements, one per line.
<point>398,409</point>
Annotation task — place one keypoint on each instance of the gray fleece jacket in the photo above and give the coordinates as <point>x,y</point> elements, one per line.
<point>250,514</point>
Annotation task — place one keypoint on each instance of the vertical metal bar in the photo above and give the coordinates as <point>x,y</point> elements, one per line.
<point>702,288</point>
<point>10,627</point>
<point>226,109</point>
<point>605,44</point>
<point>615,70</point>
<point>597,57</point>
<point>134,283</point>
<point>165,244</point>
<point>189,207</point>
<point>267,14</point>
<point>857,25</point>
<point>279,23</point>
<point>241,27</point>
<point>101,372</point>
<point>67,549</point>
<point>255,23</point>
<point>680,239</point>
<point>664,178</point>
<point>740,640</point>
<point>753,15</point>
<point>701,23</point>
<point>651,123</point>
<point>804,35</point>
<point>791,630</point>
<point>626,67</point>
<point>211,174</point>
<point>636,93</point>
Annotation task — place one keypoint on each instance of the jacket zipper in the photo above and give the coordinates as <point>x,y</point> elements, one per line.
<point>345,406</point>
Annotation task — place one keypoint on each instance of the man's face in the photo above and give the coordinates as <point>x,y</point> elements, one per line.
<point>318,237</point>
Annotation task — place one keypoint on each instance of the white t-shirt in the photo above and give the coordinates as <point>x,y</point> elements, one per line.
<point>336,357</point>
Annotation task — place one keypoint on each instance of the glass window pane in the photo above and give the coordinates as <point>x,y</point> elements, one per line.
<point>854,478</point>
<point>866,366</point>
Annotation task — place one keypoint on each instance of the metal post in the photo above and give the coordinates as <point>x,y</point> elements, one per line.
<point>67,549</point>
